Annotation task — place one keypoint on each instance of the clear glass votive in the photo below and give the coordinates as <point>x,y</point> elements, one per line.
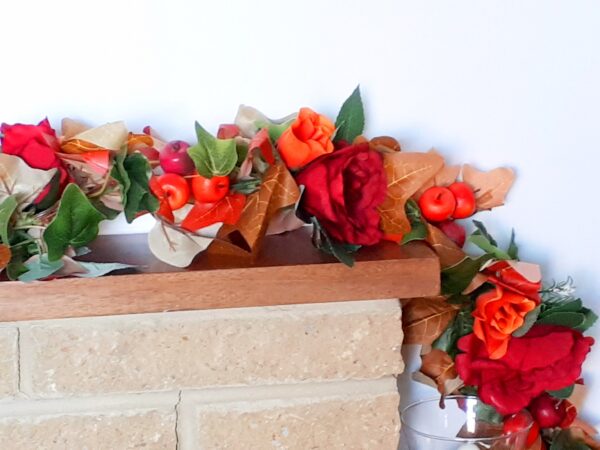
<point>426,425</point>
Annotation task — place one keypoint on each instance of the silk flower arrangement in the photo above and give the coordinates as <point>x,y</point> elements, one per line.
<point>495,331</point>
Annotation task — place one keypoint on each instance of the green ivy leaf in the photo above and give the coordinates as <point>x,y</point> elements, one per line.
<point>40,268</point>
<point>98,269</point>
<point>213,157</point>
<point>344,253</point>
<point>246,187</point>
<point>565,319</point>
<point>418,229</point>
<point>590,320</point>
<point>563,441</point>
<point>530,319</point>
<point>7,208</point>
<point>488,413</point>
<point>133,174</point>
<point>75,224</point>
<point>277,129</point>
<point>563,393</point>
<point>350,121</point>
<point>455,279</point>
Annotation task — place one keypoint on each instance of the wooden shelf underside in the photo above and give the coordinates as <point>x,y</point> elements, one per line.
<point>288,271</point>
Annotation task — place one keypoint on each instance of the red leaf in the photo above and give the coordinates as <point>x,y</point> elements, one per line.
<point>262,141</point>
<point>99,161</point>
<point>164,209</point>
<point>228,210</point>
<point>228,131</point>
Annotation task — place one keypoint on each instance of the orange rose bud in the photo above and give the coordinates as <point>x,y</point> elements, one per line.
<point>306,139</point>
<point>498,314</point>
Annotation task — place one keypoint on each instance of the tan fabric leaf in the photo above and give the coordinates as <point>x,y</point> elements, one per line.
<point>278,190</point>
<point>425,319</point>
<point>70,128</point>
<point>106,137</point>
<point>439,367</point>
<point>490,187</point>
<point>283,221</point>
<point>20,180</point>
<point>406,174</point>
<point>5,255</point>
<point>448,252</point>
<point>445,177</point>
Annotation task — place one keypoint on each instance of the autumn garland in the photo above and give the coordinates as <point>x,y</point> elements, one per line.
<point>494,332</point>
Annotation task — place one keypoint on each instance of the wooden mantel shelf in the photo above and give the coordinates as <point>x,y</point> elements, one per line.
<point>288,271</point>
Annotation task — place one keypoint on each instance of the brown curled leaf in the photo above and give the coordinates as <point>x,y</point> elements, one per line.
<point>490,187</point>
<point>425,319</point>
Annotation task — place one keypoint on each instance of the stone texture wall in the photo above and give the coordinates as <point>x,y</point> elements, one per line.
<point>294,377</point>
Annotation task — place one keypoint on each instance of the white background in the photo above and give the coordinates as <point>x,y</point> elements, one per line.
<point>487,82</point>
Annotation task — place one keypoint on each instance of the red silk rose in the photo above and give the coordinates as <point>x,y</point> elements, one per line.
<point>343,190</point>
<point>36,145</point>
<point>548,357</point>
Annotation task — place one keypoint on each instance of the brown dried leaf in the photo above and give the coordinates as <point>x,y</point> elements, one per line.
<point>5,255</point>
<point>448,252</point>
<point>385,144</point>
<point>406,174</point>
<point>425,319</point>
<point>490,187</point>
<point>278,190</point>
<point>439,367</point>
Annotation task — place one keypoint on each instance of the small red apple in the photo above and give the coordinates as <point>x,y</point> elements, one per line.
<point>550,412</point>
<point>175,159</point>
<point>209,190</point>
<point>437,204</point>
<point>465,200</point>
<point>454,231</point>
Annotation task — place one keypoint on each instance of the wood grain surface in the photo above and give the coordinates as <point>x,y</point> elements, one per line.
<point>289,270</point>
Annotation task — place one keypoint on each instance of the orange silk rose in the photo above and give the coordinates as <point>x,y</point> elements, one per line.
<point>306,139</point>
<point>498,314</point>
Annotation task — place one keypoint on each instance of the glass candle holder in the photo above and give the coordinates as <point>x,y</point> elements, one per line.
<point>453,425</point>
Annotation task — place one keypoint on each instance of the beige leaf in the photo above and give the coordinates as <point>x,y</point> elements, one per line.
<point>20,180</point>
<point>425,319</point>
<point>249,120</point>
<point>448,252</point>
<point>70,128</point>
<point>176,247</point>
<point>406,174</point>
<point>283,221</point>
<point>490,187</point>
<point>110,136</point>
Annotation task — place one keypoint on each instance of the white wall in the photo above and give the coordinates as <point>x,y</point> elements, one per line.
<point>486,82</point>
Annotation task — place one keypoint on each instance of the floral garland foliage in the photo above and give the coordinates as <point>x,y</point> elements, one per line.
<point>495,330</point>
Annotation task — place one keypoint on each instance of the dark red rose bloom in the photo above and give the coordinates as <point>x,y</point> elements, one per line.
<point>37,146</point>
<point>343,190</point>
<point>548,357</point>
<point>550,412</point>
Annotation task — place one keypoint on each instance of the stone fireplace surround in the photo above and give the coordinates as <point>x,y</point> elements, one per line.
<point>265,374</point>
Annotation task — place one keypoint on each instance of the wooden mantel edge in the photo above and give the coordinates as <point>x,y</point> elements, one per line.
<point>414,275</point>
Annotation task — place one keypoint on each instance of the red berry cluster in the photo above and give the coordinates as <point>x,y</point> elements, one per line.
<point>442,205</point>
